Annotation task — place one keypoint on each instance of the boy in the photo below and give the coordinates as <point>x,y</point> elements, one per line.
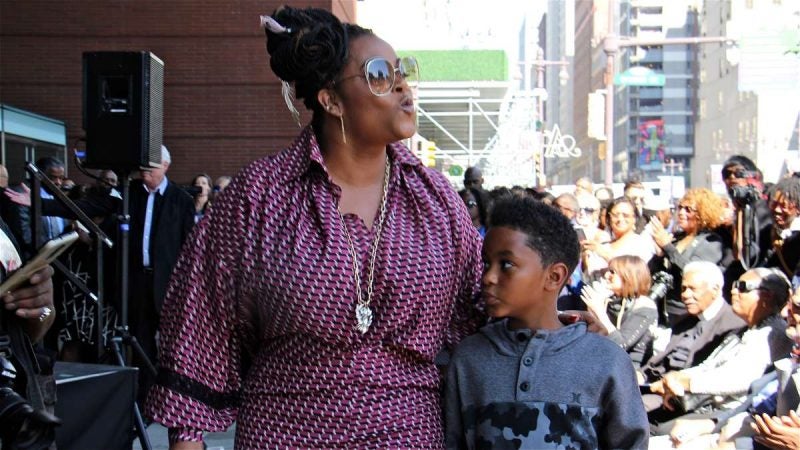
<point>526,380</point>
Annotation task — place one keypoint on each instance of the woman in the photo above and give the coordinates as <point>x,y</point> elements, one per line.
<point>621,218</point>
<point>622,306</point>
<point>326,278</point>
<point>475,201</point>
<point>699,211</point>
<point>201,199</point>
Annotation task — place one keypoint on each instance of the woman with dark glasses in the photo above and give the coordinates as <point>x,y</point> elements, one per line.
<point>699,212</point>
<point>314,296</point>
<point>476,202</point>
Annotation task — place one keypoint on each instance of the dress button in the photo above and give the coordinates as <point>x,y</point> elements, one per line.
<point>522,337</point>
<point>527,361</point>
<point>524,386</point>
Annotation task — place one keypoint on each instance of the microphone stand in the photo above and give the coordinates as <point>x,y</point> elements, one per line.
<point>102,240</point>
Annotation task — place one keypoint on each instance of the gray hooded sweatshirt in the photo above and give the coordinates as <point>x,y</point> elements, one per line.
<point>560,389</point>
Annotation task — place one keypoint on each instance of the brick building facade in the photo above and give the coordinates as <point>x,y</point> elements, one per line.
<point>222,104</point>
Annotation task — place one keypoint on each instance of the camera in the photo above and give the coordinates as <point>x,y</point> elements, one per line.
<point>21,426</point>
<point>662,283</point>
<point>744,195</point>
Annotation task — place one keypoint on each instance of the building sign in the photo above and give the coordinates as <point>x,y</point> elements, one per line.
<point>557,145</point>
<point>651,145</point>
<point>640,76</point>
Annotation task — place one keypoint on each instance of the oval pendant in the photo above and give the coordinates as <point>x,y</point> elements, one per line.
<point>364,318</point>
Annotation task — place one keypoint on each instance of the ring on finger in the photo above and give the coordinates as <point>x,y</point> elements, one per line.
<point>45,313</point>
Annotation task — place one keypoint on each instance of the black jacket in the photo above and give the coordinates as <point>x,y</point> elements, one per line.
<point>723,324</point>
<point>173,219</point>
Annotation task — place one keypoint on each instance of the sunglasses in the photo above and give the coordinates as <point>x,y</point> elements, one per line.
<point>746,286</point>
<point>687,209</point>
<point>587,210</point>
<point>381,75</point>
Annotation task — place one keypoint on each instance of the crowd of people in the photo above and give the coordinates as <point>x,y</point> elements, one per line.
<point>340,294</point>
<point>702,323</point>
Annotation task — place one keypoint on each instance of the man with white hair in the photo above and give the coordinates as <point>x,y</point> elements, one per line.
<point>162,215</point>
<point>701,292</point>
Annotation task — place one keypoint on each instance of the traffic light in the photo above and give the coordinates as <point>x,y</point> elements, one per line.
<point>429,154</point>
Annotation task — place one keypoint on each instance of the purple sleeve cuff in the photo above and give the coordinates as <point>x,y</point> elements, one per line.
<point>184,434</point>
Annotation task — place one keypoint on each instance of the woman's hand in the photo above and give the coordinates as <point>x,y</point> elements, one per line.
<point>596,297</point>
<point>21,198</point>
<point>675,384</point>
<point>34,303</point>
<point>186,445</point>
<point>687,429</point>
<point>592,323</point>
<point>661,237</point>
<point>781,433</point>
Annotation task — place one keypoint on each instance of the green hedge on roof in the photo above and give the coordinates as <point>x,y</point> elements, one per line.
<point>461,65</point>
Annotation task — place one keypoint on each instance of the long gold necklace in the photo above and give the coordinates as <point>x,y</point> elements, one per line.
<point>363,311</point>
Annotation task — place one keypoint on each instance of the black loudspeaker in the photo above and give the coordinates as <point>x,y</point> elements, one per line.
<point>123,109</point>
<point>95,405</point>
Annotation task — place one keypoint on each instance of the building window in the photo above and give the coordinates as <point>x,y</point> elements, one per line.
<point>747,131</point>
<point>754,128</point>
<point>740,130</point>
<point>703,112</point>
<point>720,100</point>
<point>703,75</point>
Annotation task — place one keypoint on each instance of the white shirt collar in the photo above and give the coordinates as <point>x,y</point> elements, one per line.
<point>794,226</point>
<point>161,187</point>
<point>712,310</point>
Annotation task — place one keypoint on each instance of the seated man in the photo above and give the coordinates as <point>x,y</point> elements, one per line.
<point>775,394</point>
<point>758,297</point>
<point>702,294</point>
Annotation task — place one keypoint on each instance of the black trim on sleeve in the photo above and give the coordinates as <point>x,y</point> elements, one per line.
<point>186,386</point>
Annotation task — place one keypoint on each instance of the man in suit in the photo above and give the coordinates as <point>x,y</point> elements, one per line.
<point>701,292</point>
<point>162,216</point>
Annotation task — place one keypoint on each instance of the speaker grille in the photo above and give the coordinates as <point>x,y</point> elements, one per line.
<point>123,109</point>
<point>155,117</point>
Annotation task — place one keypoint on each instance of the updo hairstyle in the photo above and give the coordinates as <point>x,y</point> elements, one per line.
<point>313,51</point>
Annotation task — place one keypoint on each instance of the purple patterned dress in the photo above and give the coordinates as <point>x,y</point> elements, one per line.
<point>259,321</point>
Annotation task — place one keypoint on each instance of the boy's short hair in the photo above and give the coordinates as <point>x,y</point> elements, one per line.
<point>550,233</point>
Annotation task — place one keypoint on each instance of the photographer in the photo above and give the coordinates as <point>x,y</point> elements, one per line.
<point>27,314</point>
<point>784,204</point>
<point>751,237</point>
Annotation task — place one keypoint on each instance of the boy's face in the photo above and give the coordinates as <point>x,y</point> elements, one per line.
<point>513,276</point>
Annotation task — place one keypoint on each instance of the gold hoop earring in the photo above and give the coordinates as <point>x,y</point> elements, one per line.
<point>344,135</point>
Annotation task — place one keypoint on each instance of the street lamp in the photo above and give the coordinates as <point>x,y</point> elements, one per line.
<point>563,77</point>
<point>611,46</point>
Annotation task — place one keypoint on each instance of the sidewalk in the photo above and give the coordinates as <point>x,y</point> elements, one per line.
<point>214,441</point>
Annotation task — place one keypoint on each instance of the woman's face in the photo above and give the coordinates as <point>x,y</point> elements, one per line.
<point>613,281</point>
<point>472,206</point>
<point>368,118</point>
<point>623,219</point>
<point>202,183</point>
<point>688,219</point>
<point>587,216</point>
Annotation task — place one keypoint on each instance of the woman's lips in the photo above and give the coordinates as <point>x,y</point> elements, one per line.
<point>491,300</point>
<point>407,105</point>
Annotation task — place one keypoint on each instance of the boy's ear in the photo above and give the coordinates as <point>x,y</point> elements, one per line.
<point>557,275</point>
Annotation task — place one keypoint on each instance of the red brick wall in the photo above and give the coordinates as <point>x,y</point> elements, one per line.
<point>222,104</point>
